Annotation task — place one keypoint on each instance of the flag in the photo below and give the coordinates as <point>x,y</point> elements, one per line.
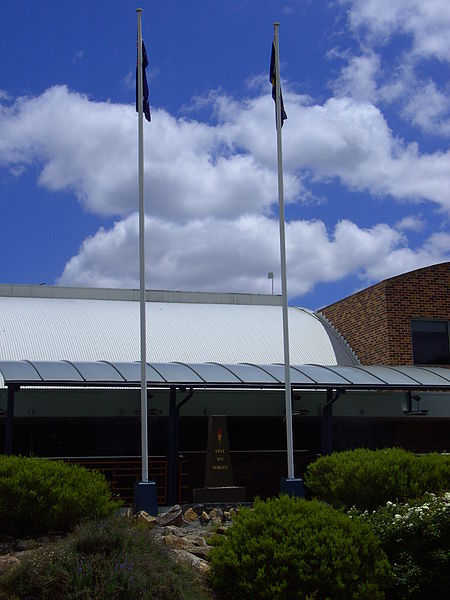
<point>273,79</point>
<point>145,101</point>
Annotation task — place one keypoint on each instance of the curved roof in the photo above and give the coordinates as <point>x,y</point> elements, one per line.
<point>80,328</point>
<point>223,375</point>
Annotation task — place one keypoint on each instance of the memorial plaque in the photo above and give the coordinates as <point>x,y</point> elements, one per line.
<point>219,476</point>
<point>218,462</point>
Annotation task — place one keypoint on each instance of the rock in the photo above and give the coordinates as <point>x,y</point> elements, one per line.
<point>199,551</point>
<point>199,564</point>
<point>7,562</point>
<point>174,529</point>
<point>173,541</point>
<point>216,513</point>
<point>222,529</point>
<point>144,517</point>
<point>190,515</point>
<point>227,515</point>
<point>174,516</point>
<point>205,518</point>
<point>196,546</point>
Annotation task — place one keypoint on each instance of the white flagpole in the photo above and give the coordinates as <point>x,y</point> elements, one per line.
<point>143,330</point>
<point>287,370</point>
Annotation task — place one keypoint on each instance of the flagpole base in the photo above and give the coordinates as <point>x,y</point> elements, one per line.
<point>145,498</point>
<point>292,487</point>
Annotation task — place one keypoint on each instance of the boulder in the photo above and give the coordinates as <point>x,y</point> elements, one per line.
<point>190,515</point>
<point>216,513</point>
<point>144,517</point>
<point>174,516</point>
<point>199,564</point>
<point>205,519</point>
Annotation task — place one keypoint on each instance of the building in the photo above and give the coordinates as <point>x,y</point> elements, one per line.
<point>69,378</point>
<point>403,320</point>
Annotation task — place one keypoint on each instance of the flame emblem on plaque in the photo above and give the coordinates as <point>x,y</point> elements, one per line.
<point>219,436</point>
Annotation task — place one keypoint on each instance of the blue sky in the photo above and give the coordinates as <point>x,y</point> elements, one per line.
<point>366,160</point>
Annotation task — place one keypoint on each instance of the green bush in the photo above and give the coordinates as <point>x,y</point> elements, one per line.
<point>416,539</point>
<point>298,549</point>
<point>367,479</point>
<point>109,559</point>
<point>39,495</point>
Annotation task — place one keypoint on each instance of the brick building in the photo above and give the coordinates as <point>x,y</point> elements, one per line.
<point>403,320</point>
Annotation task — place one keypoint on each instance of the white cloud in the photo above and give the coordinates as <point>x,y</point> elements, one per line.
<point>358,78</point>
<point>219,255</point>
<point>342,138</point>
<point>426,21</point>
<point>211,189</point>
<point>410,223</point>
<point>222,170</point>
<point>429,109</point>
<point>394,72</point>
<point>90,148</point>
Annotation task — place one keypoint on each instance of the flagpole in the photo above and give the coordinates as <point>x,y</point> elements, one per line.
<point>143,329</point>
<point>284,295</point>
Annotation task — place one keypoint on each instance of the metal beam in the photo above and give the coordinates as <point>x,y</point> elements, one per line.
<point>9,444</point>
<point>327,420</point>
<point>172,443</point>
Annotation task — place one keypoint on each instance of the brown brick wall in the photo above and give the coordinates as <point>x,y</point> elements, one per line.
<point>376,322</point>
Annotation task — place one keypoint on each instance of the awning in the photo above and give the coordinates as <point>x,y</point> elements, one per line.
<point>214,375</point>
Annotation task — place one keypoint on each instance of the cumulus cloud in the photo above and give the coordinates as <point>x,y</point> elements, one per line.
<point>217,255</point>
<point>90,148</point>
<point>427,23</point>
<point>429,109</point>
<point>211,188</point>
<point>386,73</point>
<point>221,170</point>
<point>342,138</point>
<point>358,78</point>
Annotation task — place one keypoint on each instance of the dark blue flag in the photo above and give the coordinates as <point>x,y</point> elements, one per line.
<point>272,79</point>
<point>146,104</point>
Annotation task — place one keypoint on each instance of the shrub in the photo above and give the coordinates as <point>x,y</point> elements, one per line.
<point>292,548</point>
<point>109,559</point>
<point>38,495</point>
<point>367,479</point>
<point>416,539</point>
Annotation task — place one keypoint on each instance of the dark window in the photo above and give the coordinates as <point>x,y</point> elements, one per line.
<point>430,340</point>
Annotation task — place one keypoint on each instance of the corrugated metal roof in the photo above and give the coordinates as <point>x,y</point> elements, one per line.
<point>76,329</point>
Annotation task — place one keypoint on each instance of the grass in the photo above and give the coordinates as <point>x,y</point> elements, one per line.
<point>110,559</point>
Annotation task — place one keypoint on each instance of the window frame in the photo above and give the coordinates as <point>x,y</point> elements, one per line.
<point>430,320</point>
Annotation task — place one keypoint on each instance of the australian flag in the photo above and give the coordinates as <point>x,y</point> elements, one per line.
<point>146,104</point>
<point>272,79</point>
